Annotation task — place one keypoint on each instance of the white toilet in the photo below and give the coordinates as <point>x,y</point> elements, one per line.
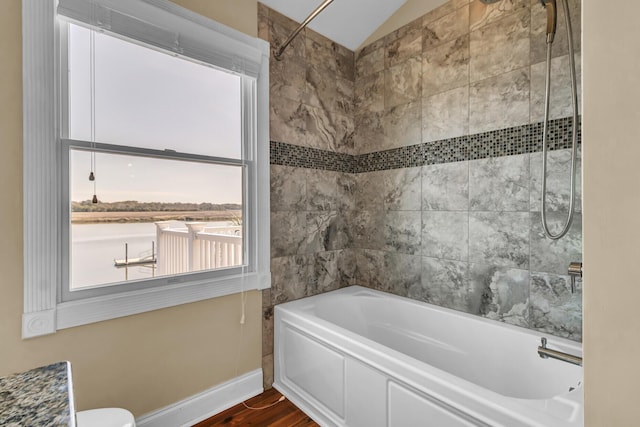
<point>105,417</point>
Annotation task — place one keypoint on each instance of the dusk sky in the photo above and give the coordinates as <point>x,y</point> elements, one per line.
<point>120,177</point>
<point>153,100</point>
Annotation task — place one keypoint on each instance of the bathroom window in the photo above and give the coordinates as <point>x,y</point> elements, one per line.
<point>155,168</point>
<point>158,165</point>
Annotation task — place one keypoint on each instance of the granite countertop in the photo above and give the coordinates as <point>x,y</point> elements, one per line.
<point>39,397</point>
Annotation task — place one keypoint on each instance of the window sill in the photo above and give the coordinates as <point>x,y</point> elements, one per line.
<point>91,310</point>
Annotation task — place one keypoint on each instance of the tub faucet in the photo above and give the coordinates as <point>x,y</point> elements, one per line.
<point>545,353</point>
<point>575,270</point>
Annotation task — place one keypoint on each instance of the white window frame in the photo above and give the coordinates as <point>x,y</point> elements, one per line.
<point>44,311</point>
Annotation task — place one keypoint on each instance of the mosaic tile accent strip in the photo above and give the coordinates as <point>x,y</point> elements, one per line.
<point>396,158</point>
<point>497,143</point>
<point>311,158</point>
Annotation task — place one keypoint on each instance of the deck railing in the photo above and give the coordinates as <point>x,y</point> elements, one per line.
<point>193,246</point>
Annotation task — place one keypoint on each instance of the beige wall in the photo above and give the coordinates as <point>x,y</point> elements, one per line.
<point>239,14</point>
<point>611,61</point>
<point>141,362</point>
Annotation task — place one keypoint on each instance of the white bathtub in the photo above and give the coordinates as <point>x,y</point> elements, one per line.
<point>358,357</point>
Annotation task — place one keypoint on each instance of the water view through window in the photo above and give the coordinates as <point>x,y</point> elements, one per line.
<point>150,216</point>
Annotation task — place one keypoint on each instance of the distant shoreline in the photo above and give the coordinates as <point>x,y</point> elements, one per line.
<point>137,217</point>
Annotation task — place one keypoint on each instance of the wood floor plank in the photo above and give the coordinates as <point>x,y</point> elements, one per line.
<point>281,414</point>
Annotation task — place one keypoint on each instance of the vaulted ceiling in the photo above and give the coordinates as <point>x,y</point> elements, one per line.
<point>348,22</point>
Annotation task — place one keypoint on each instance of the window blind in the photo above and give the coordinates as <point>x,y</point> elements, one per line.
<point>152,22</point>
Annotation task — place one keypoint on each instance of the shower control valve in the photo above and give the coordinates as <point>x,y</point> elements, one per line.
<point>575,270</point>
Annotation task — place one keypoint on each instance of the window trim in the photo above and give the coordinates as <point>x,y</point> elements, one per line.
<point>43,312</point>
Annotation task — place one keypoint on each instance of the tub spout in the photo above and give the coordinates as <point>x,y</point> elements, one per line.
<point>546,353</point>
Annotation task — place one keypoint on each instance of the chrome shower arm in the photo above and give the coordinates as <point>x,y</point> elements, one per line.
<point>278,54</point>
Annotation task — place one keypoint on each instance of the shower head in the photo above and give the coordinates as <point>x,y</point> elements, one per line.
<point>552,17</point>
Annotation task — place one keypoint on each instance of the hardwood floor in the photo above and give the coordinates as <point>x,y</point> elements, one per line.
<point>282,414</point>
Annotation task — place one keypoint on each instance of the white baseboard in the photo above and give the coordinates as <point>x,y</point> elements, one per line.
<point>203,405</point>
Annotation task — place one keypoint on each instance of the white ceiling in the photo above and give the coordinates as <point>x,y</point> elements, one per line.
<point>348,22</point>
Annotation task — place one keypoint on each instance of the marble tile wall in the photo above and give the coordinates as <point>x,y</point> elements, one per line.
<point>466,234</point>
<point>461,69</point>
<point>311,129</point>
<point>311,88</point>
